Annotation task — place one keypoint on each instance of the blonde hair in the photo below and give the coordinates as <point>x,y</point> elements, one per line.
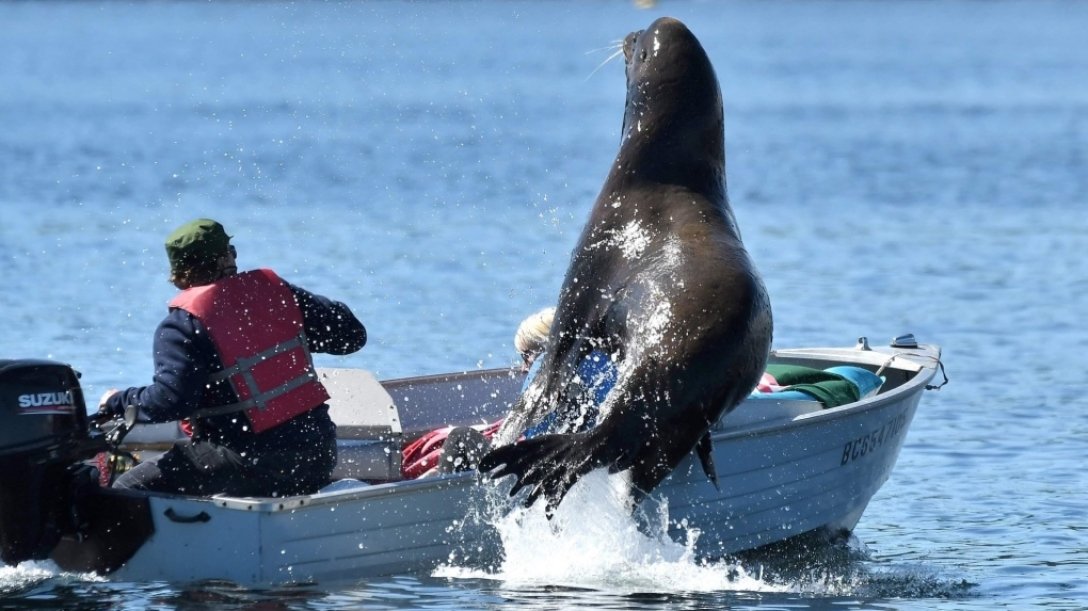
<point>532,334</point>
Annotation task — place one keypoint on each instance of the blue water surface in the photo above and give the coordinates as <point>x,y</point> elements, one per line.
<point>894,166</point>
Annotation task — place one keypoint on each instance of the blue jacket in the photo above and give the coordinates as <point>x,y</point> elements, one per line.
<point>597,374</point>
<point>185,356</point>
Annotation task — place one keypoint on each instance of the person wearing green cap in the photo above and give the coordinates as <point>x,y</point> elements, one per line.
<point>232,359</point>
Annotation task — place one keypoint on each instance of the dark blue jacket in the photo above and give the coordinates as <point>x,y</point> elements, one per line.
<point>185,356</point>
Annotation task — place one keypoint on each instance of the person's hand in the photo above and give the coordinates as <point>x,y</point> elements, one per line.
<point>103,413</point>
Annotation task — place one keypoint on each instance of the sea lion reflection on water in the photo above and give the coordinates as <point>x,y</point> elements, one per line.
<point>660,280</point>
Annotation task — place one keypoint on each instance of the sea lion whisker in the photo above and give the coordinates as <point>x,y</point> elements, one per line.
<point>614,55</point>
<point>615,44</point>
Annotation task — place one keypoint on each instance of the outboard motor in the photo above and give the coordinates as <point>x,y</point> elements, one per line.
<point>43,438</point>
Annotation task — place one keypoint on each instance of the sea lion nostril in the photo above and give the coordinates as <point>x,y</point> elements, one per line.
<point>629,43</point>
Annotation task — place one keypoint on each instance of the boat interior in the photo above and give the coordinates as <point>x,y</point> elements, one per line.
<point>376,419</point>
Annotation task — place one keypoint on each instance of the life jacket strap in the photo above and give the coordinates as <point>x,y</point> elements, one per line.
<point>258,402</point>
<point>245,364</point>
<point>244,367</point>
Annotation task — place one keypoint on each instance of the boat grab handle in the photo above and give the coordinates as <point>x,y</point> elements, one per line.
<point>174,517</point>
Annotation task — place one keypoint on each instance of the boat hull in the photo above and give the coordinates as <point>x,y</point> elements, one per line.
<point>377,530</point>
<point>785,469</point>
<point>818,473</point>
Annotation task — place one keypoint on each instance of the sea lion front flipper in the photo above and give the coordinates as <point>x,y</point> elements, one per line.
<point>705,450</point>
<point>462,450</point>
<point>547,465</point>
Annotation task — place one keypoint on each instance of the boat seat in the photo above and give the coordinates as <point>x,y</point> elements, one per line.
<point>368,426</point>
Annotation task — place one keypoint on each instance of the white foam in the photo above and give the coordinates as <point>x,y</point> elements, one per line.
<point>32,572</point>
<point>594,542</point>
<point>632,240</point>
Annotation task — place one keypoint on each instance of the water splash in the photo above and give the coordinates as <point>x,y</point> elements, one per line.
<point>632,240</point>
<point>597,541</point>
<point>25,575</point>
<point>30,574</point>
<point>594,542</point>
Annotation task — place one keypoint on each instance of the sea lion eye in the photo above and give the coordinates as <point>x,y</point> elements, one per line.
<point>642,54</point>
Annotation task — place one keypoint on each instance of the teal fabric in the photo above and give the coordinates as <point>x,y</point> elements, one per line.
<point>782,395</point>
<point>868,383</point>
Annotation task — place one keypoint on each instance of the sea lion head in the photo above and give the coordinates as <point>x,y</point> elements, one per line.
<point>673,119</point>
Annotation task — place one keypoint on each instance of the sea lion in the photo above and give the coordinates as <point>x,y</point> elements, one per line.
<point>660,280</point>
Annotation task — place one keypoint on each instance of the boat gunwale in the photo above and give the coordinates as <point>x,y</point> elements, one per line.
<point>380,490</point>
<point>922,362</point>
<point>923,373</point>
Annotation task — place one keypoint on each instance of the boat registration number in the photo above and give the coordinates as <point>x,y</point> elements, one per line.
<point>858,448</point>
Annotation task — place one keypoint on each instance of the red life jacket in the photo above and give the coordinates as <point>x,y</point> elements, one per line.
<point>256,326</point>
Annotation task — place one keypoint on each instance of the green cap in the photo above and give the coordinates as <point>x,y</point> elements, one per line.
<point>195,243</point>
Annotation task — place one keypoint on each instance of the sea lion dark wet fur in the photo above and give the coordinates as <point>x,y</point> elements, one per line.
<point>659,279</point>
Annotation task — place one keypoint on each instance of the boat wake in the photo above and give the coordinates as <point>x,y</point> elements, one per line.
<point>594,542</point>
<point>816,567</point>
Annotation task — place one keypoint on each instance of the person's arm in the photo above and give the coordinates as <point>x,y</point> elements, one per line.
<point>329,325</point>
<point>183,353</point>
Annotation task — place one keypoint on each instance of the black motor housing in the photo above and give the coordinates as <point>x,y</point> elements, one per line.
<point>43,437</point>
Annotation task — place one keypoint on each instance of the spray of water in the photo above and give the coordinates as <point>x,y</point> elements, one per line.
<point>593,541</point>
<point>597,541</point>
<point>30,574</point>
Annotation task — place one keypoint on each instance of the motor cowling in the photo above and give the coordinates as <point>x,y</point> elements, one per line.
<point>43,438</point>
